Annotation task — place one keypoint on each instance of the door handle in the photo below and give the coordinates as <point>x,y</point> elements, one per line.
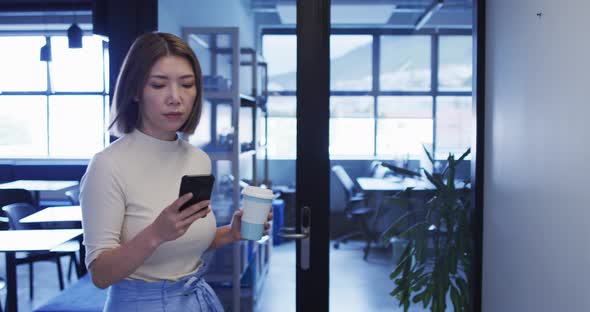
<point>289,233</point>
<point>304,236</point>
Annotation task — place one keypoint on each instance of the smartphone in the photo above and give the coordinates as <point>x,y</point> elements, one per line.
<point>200,185</point>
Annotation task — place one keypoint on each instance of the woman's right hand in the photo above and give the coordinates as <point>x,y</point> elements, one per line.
<point>172,223</point>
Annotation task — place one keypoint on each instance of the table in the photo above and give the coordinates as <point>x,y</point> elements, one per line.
<point>394,184</point>
<point>29,240</point>
<point>36,186</point>
<point>379,186</point>
<point>55,214</point>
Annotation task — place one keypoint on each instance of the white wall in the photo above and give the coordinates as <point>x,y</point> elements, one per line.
<point>175,14</point>
<point>536,251</point>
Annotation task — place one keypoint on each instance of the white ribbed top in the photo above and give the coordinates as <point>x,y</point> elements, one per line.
<point>124,189</point>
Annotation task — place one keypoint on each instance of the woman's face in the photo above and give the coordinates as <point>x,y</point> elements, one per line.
<point>168,97</point>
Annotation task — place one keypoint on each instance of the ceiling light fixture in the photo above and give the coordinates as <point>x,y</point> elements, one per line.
<point>75,36</point>
<point>45,53</point>
<point>75,33</point>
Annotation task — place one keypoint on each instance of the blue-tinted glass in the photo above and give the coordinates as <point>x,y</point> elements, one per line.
<point>280,52</point>
<point>77,69</point>
<point>405,63</point>
<point>23,126</point>
<point>20,66</point>
<point>455,63</point>
<point>75,126</point>
<point>453,125</point>
<point>404,125</point>
<point>350,62</point>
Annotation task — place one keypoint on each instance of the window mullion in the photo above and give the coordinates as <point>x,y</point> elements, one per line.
<point>376,86</point>
<point>47,94</point>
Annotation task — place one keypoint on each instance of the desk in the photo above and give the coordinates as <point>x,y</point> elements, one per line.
<point>61,217</point>
<point>369,184</point>
<point>378,186</point>
<point>55,214</point>
<point>36,186</point>
<point>28,240</point>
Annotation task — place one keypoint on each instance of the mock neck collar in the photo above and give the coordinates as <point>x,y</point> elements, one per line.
<point>154,142</point>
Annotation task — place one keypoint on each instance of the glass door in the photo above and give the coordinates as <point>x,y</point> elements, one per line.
<point>357,92</point>
<point>398,88</point>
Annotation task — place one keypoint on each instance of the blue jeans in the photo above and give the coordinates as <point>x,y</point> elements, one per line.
<point>190,294</point>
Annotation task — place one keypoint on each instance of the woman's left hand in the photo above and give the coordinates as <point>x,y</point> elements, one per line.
<point>236,224</point>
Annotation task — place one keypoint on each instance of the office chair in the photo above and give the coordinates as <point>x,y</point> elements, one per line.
<point>359,214</point>
<point>2,285</point>
<point>74,196</point>
<point>17,211</point>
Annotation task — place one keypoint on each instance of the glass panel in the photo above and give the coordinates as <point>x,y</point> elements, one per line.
<point>282,144</point>
<point>351,106</point>
<point>21,68</point>
<point>77,69</point>
<point>280,52</point>
<point>223,121</point>
<point>350,62</point>
<point>453,125</point>
<point>405,63</point>
<point>246,125</point>
<point>105,47</point>
<point>23,126</point>
<point>404,125</point>
<point>282,127</point>
<point>351,137</point>
<point>202,135</point>
<point>455,63</point>
<point>75,126</point>
<point>262,136</point>
<point>282,106</point>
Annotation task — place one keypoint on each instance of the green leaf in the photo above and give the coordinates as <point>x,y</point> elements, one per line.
<point>464,155</point>
<point>394,229</point>
<point>428,154</point>
<point>427,297</point>
<point>455,298</point>
<point>419,297</point>
<point>396,291</point>
<point>412,231</point>
<point>435,180</point>
<point>397,270</point>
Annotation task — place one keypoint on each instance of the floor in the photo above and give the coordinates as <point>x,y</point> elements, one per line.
<point>356,285</point>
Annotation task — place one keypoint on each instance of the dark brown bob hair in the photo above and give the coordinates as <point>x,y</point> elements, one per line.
<point>143,54</point>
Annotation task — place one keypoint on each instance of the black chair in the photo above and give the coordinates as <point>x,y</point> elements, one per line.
<point>356,211</point>
<point>17,211</point>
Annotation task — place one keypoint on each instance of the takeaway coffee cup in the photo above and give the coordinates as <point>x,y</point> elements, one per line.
<point>256,204</point>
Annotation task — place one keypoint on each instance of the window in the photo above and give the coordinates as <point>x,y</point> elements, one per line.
<point>282,144</point>
<point>56,109</point>
<point>352,126</point>
<point>404,125</point>
<point>350,63</point>
<point>455,73</point>
<point>405,63</point>
<point>21,68</point>
<point>387,113</point>
<point>453,125</point>
<point>280,52</point>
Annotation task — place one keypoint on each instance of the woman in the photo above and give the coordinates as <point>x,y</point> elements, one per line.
<point>137,240</point>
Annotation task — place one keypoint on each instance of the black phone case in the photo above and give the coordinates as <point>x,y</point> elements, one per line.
<point>200,185</point>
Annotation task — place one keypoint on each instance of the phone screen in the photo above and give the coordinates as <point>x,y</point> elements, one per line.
<point>200,185</point>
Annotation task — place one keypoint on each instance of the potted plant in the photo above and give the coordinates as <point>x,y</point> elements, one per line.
<point>436,262</point>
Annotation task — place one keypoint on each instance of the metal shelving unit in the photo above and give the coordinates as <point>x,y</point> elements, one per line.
<point>241,266</point>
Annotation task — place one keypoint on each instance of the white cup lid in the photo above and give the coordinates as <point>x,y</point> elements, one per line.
<point>259,192</point>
